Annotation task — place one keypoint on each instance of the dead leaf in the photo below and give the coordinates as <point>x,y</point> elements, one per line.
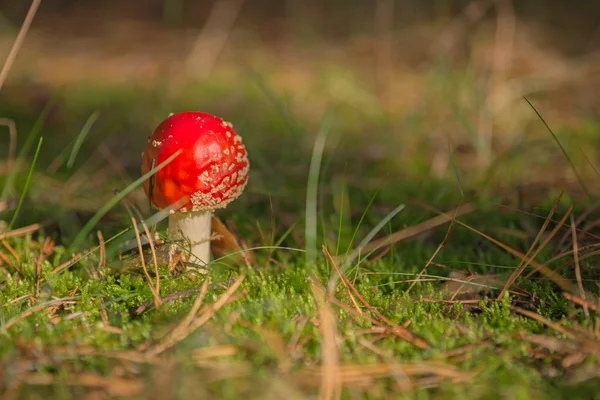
<point>225,244</point>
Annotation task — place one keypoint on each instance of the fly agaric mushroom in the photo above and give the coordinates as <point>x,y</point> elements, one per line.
<point>209,173</point>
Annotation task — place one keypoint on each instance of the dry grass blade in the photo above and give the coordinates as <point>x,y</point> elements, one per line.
<point>33,310</point>
<point>562,282</point>
<point>413,230</point>
<point>8,261</point>
<point>17,299</point>
<point>581,302</point>
<point>467,301</point>
<point>461,352</point>
<point>586,230</point>
<point>551,343</point>
<point>402,380</point>
<point>155,294</point>
<point>196,320</point>
<point>101,256</point>
<point>570,252</point>
<point>578,222</point>
<point>185,322</point>
<point>224,350</point>
<point>578,267</point>
<point>154,258</point>
<point>434,255</point>
<point>526,260</point>
<point>330,386</point>
<point>47,249</point>
<point>592,344</point>
<point>73,351</point>
<point>68,263</point>
<point>213,37</point>
<point>11,250</point>
<point>181,294</point>
<point>398,330</point>
<point>357,374</point>
<point>332,282</point>
<point>115,386</point>
<point>19,41</point>
<point>26,230</point>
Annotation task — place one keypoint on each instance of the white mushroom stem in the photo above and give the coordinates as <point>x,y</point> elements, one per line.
<point>191,231</point>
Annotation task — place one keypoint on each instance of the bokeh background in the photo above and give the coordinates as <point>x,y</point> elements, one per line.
<point>418,107</point>
<point>406,90</point>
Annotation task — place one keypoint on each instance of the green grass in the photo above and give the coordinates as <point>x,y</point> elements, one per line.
<point>91,326</point>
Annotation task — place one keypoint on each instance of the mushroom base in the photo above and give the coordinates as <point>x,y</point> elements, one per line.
<point>191,231</point>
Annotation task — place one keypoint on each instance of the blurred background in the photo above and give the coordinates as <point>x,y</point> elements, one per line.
<point>405,89</point>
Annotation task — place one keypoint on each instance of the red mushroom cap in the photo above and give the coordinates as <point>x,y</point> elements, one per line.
<point>210,172</point>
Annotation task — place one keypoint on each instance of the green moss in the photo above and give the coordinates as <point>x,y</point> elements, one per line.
<point>274,326</point>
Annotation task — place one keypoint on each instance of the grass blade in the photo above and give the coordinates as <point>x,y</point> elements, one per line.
<point>565,154</point>
<point>85,231</point>
<point>27,183</point>
<point>356,252</point>
<point>33,133</point>
<point>81,137</point>
<point>312,186</point>
<point>526,260</point>
<point>362,218</point>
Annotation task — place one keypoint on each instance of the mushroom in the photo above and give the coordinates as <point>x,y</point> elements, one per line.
<point>210,172</point>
